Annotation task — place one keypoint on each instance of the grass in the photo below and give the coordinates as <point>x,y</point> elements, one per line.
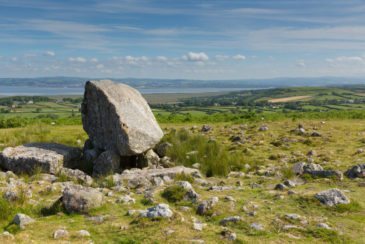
<point>213,158</point>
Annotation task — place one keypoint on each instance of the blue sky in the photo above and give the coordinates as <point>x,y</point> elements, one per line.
<point>190,39</point>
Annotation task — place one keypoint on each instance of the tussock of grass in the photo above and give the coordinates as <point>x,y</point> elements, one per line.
<point>330,236</point>
<point>184,177</point>
<point>214,158</point>
<point>353,206</point>
<point>174,194</point>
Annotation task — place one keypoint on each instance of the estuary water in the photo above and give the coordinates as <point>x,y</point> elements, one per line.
<point>51,91</point>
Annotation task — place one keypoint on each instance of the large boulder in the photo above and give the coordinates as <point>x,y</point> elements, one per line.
<point>107,163</point>
<point>79,199</point>
<point>117,118</point>
<point>47,157</point>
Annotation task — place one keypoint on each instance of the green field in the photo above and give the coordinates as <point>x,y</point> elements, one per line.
<point>264,158</point>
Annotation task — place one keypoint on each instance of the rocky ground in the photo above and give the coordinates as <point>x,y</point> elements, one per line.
<point>296,184</point>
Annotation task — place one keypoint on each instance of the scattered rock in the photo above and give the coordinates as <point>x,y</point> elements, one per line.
<point>126,199</point>
<point>162,148</point>
<point>280,187</point>
<point>47,157</point>
<point>190,195</point>
<point>229,235</point>
<point>116,117</point>
<point>161,210</point>
<point>316,134</point>
<point>22,220</point>
<point>257,226</point>
<point>206,206</point>
<point>206,128</point>
<point>60,234</point>
<point>83,233</point>
<point>324,226</point>
<point>77,175</point>
<point>232,219</point>
<point>76,198</point>
<point>357,171</point>
<point>264,128</point>
<point>332,197</point>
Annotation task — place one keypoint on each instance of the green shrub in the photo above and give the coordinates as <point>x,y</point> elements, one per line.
<point>174,194</point>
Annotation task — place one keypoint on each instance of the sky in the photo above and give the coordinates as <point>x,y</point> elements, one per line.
<point>182,39</point>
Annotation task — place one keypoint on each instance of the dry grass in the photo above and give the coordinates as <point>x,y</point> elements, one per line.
<point>288,99</point>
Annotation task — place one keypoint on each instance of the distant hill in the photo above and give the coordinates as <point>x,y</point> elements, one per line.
<point>182,83</point>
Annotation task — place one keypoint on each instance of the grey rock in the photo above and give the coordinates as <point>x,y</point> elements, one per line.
<point>78,176</point>
<point>126,200</point>
<point>22,220</point>
<point>316,134</point>
<point>116,117</point>
<point>162,148</point>
<point>91,154</point>
<point>298,168</point>
<point>332,197</point>
<point>83,233</point>
<point>206,206</point>
<point>257,226</point>
<point>323,226</point>
<point>76,198</point>
<point>206,128</point>
<point>60,234</point>
<point>190,195</point>
<point>107,163</point>
<point>229,235</point>
<point>264,128</point>
<point>148,159</point>
<point>289,183</point>
<point>48,157</point>
<point>280,187</point>
<point>231,219</point>
<point>357,171</point>
<point>308,168</point>
<point>161,210</point>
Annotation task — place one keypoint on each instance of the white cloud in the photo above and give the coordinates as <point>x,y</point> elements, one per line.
<point>346,59</point>
<point>50,53</point>
<point>196,57</point>
<point>221,57</point>
<point>300,64</point>
<point>239,57</point>
<point>77,59</point>
<point>94,60</point>
<point>161,58</point>
<point>100,66</point>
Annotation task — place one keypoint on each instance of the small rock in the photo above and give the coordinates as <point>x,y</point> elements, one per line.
<point>83,233</point>
<point>162,148</point>
<point>324,226</point>
<point>161,210</point>
<point>257,226</point>
<point>229,235</point>
<point>22,220</point>
<point>332,197</point>
<point>76,198</point>
<point>60,234</point>
<point>231,219</point>
<point>126,199</point>
<point>280,187</point>
<point>206,128</point>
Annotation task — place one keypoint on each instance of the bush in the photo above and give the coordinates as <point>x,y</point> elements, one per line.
<point>174,194</point>
<point>214,158</point>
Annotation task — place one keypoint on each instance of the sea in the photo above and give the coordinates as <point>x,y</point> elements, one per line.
<point>53,91</point>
